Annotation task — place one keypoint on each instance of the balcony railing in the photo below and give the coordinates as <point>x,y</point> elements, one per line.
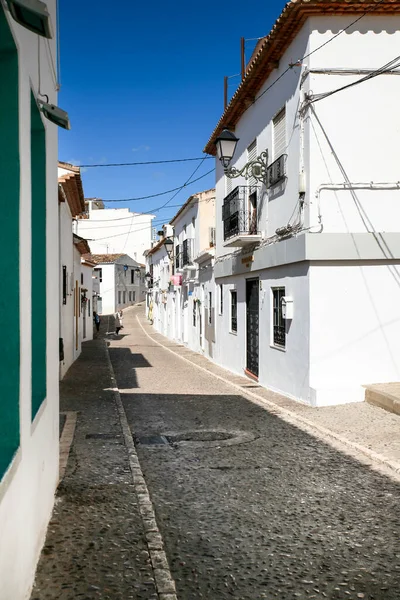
<point>184,254</point>
<point>239,212</point>
<point>276,171</point>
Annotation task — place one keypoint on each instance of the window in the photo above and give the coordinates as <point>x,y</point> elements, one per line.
<point>81,278</point>
<point>64,284</point>
<point>119,297</point>
<point>130,296</point>
<point>279,124</point>
<point>88,304</point>
<point>194,313</point>
<point>221,299</point>
<point>132,276</point>
<point>177,256</point>
<point>234,311</point>
<point>133,296</point>
<point>124,298</point>
<point>279,329</point>
<point>210,307</point>
<point>99,273</point>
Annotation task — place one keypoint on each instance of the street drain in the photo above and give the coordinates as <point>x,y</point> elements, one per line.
<point>209,438</point>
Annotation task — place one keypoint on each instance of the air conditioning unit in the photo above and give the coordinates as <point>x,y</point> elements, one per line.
<point>212,236</point>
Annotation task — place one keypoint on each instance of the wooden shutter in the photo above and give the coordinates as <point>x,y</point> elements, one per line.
<point>280,134</point>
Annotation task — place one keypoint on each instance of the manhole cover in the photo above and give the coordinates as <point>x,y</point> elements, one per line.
<point>209,438</point>
<point>151,440</point>
<point>200,436</point>
<point>102,436</point>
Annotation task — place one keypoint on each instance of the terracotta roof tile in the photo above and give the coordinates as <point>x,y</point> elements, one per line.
<point>271,48</point>
<point>105,258</point>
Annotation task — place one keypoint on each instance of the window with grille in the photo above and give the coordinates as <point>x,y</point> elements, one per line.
<point>234,311</point>
<point>221,299</point>
<point>133,296</point>
<point>130,296</point>
<point>279,328</point>
<point>177,256</point>
<point>119,297</point>
<point>210,307</point>
<point>132,276</point>
<point>124,297</point>
<point>279,125</point>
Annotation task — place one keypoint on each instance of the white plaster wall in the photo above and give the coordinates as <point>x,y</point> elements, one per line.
<point>356,127</point>
<point>123,282</point>
<point>27,489</point>
<point>124,232</point>
<point>67,325</point>
<point>355,329</point>
<point>88,284</point>
<point>107,289</point>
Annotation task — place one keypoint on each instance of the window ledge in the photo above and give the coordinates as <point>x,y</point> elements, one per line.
<point>280,348</point>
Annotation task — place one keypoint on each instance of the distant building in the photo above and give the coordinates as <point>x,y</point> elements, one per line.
<point>121,282</point>
<point>115,230</point>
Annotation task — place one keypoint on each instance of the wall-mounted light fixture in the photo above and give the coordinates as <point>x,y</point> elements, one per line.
<point>169,246</point>
<point>33,15</point>
<point>226,144</point>
<point>54,114</point>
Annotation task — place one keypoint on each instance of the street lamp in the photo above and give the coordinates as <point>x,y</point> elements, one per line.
<point>226,144</point>
<point>169,245</point>
<point>33,15</point>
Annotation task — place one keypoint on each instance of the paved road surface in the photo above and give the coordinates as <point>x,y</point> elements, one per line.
<point>270,512</point>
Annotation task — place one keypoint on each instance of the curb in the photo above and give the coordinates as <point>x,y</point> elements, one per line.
<point>163,580</point>
<point>66,440</point>
<point>291,417</point>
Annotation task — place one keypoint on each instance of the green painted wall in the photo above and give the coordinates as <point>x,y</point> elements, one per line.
<point>38,266</point>
<point>9,258</point>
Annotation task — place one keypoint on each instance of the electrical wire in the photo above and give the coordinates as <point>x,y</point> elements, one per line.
<point>394,63</point>
<point>148,162</point>
<point>298,63</point>
<point>160,193</point>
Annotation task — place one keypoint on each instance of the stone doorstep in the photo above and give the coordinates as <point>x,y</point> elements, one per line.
<point>385,395</point>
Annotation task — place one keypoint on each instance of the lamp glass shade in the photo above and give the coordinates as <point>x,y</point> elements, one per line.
<point>226,145</point>
<point>169,244</point>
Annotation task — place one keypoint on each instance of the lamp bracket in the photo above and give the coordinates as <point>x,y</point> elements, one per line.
<point>256,168</point>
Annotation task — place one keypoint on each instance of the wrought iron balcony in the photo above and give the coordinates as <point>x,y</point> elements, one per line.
<point>239,216</point>
<point>184,255</point>
<point>276,171</point>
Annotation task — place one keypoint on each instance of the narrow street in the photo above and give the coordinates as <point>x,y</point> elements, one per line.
<point>248,505</point>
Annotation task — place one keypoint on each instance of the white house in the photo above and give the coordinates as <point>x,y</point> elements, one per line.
<point>182,295</point>
<point>115,230</point>
<point>121,282</point>
<point>29,407</point>
<point>317,237</point>
<point>194,299</point>
<point>75,293</point>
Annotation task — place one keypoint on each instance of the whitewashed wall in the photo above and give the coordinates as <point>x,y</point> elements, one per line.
<point>124,231</point>
<point>67,326</point>
<point>27,489</point>
<point>87,310</point>
<point>107,289</point>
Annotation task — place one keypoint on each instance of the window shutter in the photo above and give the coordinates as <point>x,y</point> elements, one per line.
<point>252,155</point>
<point>280,134</point>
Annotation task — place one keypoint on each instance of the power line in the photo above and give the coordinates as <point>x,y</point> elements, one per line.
<point>161,193</point>
<point>388,66</point>
<point>289,68</point>
<point>134,164</point>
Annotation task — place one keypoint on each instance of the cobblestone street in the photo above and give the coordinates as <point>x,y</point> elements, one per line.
<point>248,505</point>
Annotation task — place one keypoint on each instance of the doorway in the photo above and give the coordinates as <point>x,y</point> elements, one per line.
<point>252,326</point>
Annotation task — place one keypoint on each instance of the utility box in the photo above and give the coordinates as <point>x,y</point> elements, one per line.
<point>287,307</point>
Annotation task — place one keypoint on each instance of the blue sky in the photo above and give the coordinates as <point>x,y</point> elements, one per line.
<point>143,81</point>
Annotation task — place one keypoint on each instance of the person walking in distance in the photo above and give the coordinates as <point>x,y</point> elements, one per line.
<point>118,321</point>
<point>96,320</point>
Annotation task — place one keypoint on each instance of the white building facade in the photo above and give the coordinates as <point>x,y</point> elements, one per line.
<point>115,230</point>
<point>308,260</point>
<point>182,296</point>
<point>121,282</point>
<point>29,407</point>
